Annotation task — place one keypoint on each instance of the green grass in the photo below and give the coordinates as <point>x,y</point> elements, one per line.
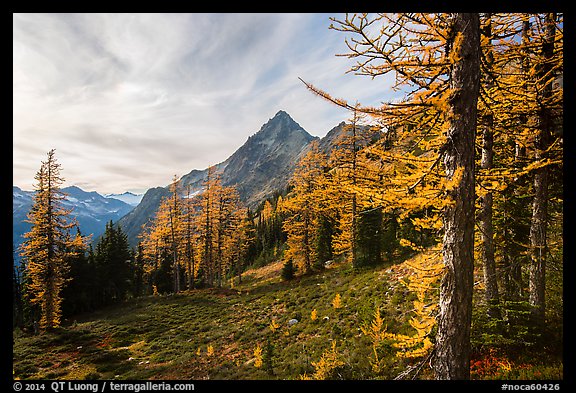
<point>159,337</point>
<point>167,337</point>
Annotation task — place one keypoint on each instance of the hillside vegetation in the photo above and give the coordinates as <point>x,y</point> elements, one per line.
<point>213,333</point>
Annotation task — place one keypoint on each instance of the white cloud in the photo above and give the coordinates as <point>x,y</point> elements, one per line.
<point>128,100</point>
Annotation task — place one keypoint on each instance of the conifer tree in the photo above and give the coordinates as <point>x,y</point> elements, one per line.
<point>301,226</point>
<point>545,75</point>
<point>369,238</point>
<point>113,266</point>
<point>435,57</point>
<point>288,270</point>
<point>518,91</point>
<point>48,246</point>
<point>347,171</point>
<point>227,226</point>
<point>162,242</point>
<point>195,240</point>
<point>211,186</point>
<point>152,242</point>
<point>210,232</point>
<point>248,243</point>
<point>139,270</point>
<point>78,294</point>
<point>190,235</point>
<point>485,197</point>
<point>323,238</point>
<point>176,228</point>
<point>17,296</point>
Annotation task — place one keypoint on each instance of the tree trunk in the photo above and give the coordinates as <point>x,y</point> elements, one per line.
<point>307,246</point>
<point>452,358</point>
<point>486,201</point>
<point>189,246</point>
<point>537,270</point>
<point>538,226</point>
<point>486,229</point>
<point>354,203</point>
<point>175,263</point>
<point>514,229</point>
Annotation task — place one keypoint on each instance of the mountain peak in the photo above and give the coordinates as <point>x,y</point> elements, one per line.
<point>282,114</point>
<point>282,117</point>
<point>279,128</point>
<point>258,168</point>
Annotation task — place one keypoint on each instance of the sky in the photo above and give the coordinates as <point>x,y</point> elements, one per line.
<point>130,100</point>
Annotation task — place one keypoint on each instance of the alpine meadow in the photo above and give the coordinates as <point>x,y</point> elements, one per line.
<point>418,236</point>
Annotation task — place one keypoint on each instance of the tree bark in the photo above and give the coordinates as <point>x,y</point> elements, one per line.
<point>354,203</point>
<point>452,357</point>
<point>189,246</point>
<point>176,266</point>
<point>538,226</point>
<point>486,201</point>
<point>487,230</point>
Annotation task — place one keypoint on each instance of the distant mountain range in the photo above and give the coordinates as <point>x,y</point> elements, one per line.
<point>127,197</point>
<point>260,167</point>
<point>91,210</point>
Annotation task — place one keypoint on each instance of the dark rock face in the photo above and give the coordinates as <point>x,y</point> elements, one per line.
<point>266,161</point>
<point>263,164</point>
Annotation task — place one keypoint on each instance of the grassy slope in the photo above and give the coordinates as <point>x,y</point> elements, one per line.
<point>160,337</point>
<point>167,337</point>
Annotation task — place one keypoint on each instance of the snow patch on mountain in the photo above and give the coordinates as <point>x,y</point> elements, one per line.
<point>127,197</point>
<point>90,209</point>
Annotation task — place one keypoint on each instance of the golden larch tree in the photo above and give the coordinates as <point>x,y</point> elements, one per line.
<point>435,59</point>
<point>302,203</point>
<point>49,246</point>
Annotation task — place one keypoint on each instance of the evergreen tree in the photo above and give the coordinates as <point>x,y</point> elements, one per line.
<point>77,294</point>
<point>324,235</point>
<point>139,288</point>
<point>390,230</point>
<point>302,204</point>
<point>288,270</point>
<point>48,246</point>
<point>369,238</point>
<point>17,298</point>
<point>113,264</point>
<point>436,58</point>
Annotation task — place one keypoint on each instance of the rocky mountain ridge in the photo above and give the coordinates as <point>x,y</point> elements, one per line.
<point>261,166</point>
<point>90,209</point>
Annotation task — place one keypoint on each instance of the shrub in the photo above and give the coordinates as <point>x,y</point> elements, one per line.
<point>288,270</point>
